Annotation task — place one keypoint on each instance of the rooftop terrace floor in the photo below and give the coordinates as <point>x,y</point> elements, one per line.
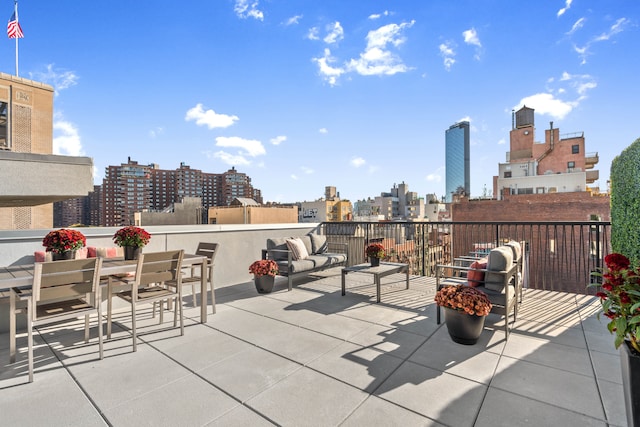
<point>313,357</point>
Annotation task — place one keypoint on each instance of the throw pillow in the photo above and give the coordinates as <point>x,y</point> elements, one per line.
<point>297,248</point>
<point>475,277</point>
<point>319,243</point>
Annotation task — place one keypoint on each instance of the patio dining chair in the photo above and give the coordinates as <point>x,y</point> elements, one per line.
<point>61,290</point>
<point>191,274</point>
<point>157,279</point>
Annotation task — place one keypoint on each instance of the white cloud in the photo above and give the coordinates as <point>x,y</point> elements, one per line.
<point>357,162</point>
<point>328,72</point>
<point>209,118</point>
<point>546,103</point>
<point>377,59</point>
<point>66,139</point>
<point>306,170</point>
<point>373,169</point>
<point>323,130</point>
<point>619,26</point>
<point>58,78</point>
<point>577,25</point>
<point>153,133</point>
<point>447,52</point>
<point>293,20</point>
<point>471,37</point>
<point>244,9</point>
<point>294,177</point>
<point>278,140</point>
<point>248,147</point>
<point>335,33</point>
<point>567,6</point>
<point>502,141</point>
<point>313,34</point>
<point>374,16</point>
<point>231,159</point>
<point>433,177</point>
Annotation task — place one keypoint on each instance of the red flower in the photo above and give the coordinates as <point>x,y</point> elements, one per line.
<point>263,267</point>
<point>131,236</point>
<point>617,262</point>
<point>63,240</point>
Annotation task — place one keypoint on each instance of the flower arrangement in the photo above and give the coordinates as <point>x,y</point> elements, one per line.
<point>620,299</point>
<point>131,236</point>
<point>63,240</point>
<point>375,250</point>
<point>263,267</point>
<point>464,298</point>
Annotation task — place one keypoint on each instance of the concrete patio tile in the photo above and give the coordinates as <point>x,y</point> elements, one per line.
<point>361,367</point>
<point>501,408</point>
<point>392,341</point>
<point>557,356</point>
<point>338,326</point>
<point>564,312</point>
<point>261,304</point>
<point>601,341</point>
<point>468,361</point>
<point>334,302</point>
<point>491,340</point>
<point>550,385</point>
<point>186,401</point>
<point>201,347</point>
<point>607,366</point>
<point>308,398</point>
<point>449,399</point>
<point>240,416</point>
<point>573,336</point>
<point>612,397</point>
<point>297,316</point>
<point>375,411</point>
<point>376,313</point>
<point>114,380</point>
<point>53,395</point>
<point>249,372</point>
<point>44,360</point>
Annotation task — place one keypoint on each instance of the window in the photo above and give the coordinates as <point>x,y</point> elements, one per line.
<point>571,165</point>
<point>575,149</point>
<point>507,174</point>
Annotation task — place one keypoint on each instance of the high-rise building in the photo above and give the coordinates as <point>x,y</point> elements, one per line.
<point>457,163</point>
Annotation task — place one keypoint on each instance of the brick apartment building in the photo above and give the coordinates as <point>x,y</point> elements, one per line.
<point>131,187</point>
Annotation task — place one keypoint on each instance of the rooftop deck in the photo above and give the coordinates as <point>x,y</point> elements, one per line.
<point>314,357</point>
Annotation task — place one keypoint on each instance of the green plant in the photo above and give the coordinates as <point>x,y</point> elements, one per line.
<point>375,250</point>
<point>131,236</point>
<point>464,298</point>
<point>625,204</point>
<point>620,299</point>
<point>264,267</point>
<point>63,240</point>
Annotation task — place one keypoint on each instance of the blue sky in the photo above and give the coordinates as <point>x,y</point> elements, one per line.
<point>356,94</point>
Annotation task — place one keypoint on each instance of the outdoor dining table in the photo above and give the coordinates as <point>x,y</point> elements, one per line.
<point>22,275</point>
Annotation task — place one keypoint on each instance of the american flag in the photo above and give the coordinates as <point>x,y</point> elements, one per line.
<point>14,31</point>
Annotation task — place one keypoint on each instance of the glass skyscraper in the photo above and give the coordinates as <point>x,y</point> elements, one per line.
<point>457,154</point>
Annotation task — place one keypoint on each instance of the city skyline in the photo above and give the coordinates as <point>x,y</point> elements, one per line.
<point>301,97</point>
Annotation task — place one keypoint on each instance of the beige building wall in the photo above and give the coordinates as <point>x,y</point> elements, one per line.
<point>253,215</point>
<point>30,130</point>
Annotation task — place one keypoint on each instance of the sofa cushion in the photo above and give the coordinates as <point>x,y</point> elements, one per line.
<point>515,248</point>
<point>318,243</point>
<point>107,252</point>
<point>500,259</point>
<point>320,260</point>
<point>297,248</point>
<point>476,277</point>
<point>280,246</point>
<point>42,256</point>
<point>296,266</point>
<point>306,239</point>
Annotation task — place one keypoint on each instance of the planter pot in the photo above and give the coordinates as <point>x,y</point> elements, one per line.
<point>374,261</point>
<point>264,284</point>
<point>463,328</point>
<point>55,256</point>
<point>630,363</point>
<point>132,252</point>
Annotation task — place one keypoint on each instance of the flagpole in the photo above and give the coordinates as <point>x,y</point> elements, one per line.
<point>15,6</point>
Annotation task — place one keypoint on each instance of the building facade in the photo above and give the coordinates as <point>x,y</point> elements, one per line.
<point>457,160</point>
<point>557,165</point>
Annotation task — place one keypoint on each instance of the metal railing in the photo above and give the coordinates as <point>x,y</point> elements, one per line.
<point>559,256</point>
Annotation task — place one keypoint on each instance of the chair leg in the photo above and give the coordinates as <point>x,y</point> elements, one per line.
<point>133,325</point>
<point>175,314</point>
<point>193,293</point>
<point>213,294</point>
<point>109,308</point>
<point>100,338</point>
<point>181,320</point>
<point>162,311</point>
<point>86,328</point>
<point>12,327</point>
<point>30,339</point>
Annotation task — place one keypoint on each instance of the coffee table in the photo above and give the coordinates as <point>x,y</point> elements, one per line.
<point>384,269</point>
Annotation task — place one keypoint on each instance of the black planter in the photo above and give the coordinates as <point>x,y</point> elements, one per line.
<point>374,261</point>
<point>264,284</point>
<point>630,362</point>
<point>55,256</point>
<point>132,252</point>
<point>463,328</point>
